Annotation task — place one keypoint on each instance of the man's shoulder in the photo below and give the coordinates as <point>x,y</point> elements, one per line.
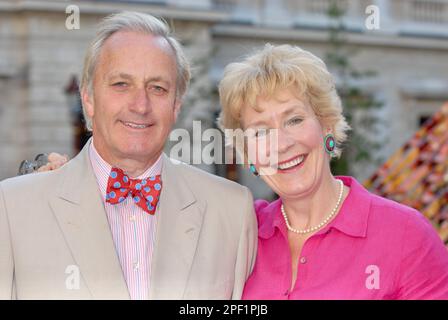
<point>33,182</point>
<point>48,180</point>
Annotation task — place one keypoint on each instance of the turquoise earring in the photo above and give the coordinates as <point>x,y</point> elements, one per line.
<point>329,144</point>
<point>253,170</point>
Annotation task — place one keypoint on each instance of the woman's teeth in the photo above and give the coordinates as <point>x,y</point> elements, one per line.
<point>291,163</point>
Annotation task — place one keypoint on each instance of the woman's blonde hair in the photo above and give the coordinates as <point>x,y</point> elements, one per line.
<point>278,67</point>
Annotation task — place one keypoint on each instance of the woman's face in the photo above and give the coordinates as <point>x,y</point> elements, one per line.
<point>297,161</point>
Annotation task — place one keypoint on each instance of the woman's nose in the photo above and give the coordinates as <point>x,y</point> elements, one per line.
<point>283,141</point>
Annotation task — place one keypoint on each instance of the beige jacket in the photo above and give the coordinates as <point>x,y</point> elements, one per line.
<point>53,225</point>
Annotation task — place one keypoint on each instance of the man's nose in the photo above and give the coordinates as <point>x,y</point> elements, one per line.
<point>141,102</point>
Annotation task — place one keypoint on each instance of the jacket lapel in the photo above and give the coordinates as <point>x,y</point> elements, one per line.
<point>81,216</point>
<point>179,221</point>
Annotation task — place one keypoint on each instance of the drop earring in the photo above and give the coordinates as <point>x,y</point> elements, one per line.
<point>253,170</point>
<point>329,144</point>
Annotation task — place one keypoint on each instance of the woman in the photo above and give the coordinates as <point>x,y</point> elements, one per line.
<point>326,237</point>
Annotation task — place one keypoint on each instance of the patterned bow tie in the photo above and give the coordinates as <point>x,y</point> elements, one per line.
<point>145,192</point>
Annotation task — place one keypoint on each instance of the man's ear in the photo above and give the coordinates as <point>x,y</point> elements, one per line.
<point>87,102</point>
<point>177,107</point>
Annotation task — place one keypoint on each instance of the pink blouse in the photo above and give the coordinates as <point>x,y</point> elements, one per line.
<point>373,249</point>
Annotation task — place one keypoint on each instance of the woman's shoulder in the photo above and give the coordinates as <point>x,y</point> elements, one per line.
<point>386,216</point>
<point>385,208</point>
<point>399,216</point>
<point>423,257</point>
<point>378,208</point>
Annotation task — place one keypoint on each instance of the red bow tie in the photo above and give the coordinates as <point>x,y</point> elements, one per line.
<point>145,192</point>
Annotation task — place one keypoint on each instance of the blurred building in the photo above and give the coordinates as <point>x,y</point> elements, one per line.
<point>39,56</point>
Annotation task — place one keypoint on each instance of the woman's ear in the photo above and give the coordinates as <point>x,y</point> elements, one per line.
<point>327,130</point>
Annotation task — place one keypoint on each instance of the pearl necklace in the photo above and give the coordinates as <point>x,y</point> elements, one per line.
<point>320,225</point>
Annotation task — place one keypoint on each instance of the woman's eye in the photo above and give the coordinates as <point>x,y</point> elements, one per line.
<point>294,121</point>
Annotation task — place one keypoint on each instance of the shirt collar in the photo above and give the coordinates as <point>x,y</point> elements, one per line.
<point>269,218</point>
<point>102,169</point>
<point>351,220</point>
<point>353,217</point>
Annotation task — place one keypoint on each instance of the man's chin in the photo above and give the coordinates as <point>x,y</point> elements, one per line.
<point>140,154</point>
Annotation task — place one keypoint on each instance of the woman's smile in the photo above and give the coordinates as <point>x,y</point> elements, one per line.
<point>292,165</point>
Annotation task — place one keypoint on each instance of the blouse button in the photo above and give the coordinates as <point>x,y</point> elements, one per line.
<point>303,260</point>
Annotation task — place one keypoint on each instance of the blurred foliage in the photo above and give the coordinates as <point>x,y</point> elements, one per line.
<point>362,144</point>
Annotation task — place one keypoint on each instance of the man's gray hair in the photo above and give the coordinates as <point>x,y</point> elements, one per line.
<point>138,22</point>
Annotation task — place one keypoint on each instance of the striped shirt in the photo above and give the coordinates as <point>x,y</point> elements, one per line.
<point>133,230</point>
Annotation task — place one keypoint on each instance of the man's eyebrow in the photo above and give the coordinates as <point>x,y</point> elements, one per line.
<point>127,76</point>
<point>161,80</point>
<point>119,75</point>
<point>156,79</point>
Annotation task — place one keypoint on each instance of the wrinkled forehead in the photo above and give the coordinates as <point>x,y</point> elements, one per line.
<point>131,45</point>
<point>129,51</point>
<point>130,39</point>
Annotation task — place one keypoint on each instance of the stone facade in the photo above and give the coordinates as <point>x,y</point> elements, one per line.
<point>38,55</point>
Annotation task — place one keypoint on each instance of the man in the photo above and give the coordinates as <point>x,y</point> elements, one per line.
<point>93,229</point>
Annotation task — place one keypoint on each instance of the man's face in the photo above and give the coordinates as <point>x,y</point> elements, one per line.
<point>134,103</point>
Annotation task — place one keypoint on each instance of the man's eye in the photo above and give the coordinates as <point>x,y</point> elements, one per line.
<point>119,84</point>
<point>158,89</point>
